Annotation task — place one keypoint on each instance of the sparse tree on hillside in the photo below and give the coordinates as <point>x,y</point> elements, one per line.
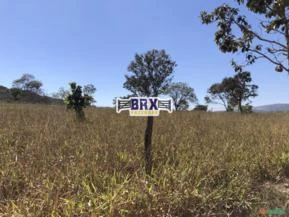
<point>182,95</point>
<point>77,101</point>
<point>61,93</point>
<point>22,82</point>
<point>28,83</point>
<point>150,76</point>
<point>34,86</point>
<point>269,40</point>
<point>15,93</point>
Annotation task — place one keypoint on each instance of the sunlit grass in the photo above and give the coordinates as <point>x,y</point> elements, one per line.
<point>205,164</point>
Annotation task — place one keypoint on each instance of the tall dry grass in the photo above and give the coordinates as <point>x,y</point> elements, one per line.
<point>205,164</point>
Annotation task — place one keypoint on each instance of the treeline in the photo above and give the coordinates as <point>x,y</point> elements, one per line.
<point>151,69</point>
<point>28,89</point>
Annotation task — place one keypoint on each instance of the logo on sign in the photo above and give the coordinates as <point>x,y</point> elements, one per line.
<point>144,106</point>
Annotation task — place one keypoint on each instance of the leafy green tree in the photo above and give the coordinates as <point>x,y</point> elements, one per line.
<point>182,95</point>
<point>233,91</point>
<point>218,94</point>
<point>247,108</point>
<point>150,76</point>
<point>242,89</point>
<point>77,101</point>
<point>268,40</point>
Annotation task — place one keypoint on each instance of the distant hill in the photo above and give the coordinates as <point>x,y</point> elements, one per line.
<point>26,97</point>
<point>272,108</point>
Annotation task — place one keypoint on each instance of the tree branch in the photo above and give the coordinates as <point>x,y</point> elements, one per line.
<point>269,59</point>
<point>268,41</point>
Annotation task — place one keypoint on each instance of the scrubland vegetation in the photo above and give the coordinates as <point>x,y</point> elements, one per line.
<point>204,164</point>
<point>200,164</point>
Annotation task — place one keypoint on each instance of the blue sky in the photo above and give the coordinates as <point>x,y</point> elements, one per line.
<point>93,41</point>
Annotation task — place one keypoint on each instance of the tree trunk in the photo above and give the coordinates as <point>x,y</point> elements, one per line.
<point>80,116</point>
<point>240,106</point>
<point>287,36</point>
<point>148,145</point>
<point>176,105</point>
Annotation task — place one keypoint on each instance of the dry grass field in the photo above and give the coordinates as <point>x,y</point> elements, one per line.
<point>205,164</point>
